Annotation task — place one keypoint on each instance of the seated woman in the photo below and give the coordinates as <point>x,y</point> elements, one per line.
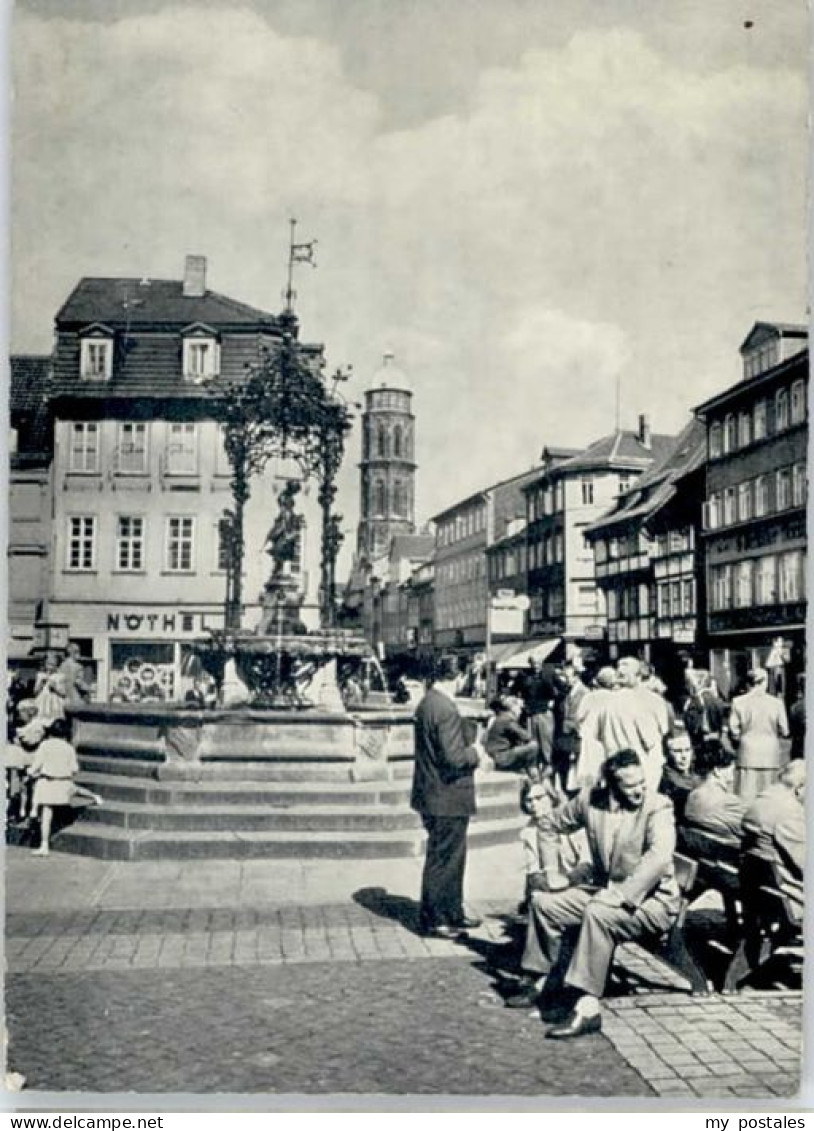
<point>712,807</point>
<point>508,744</point>
<point>538,799</point>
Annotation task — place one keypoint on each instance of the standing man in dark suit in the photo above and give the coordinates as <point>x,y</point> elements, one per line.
<point>443,795</point>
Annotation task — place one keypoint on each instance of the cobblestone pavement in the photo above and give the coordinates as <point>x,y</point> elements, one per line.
<point>293,977</point>
<point>347,998</point>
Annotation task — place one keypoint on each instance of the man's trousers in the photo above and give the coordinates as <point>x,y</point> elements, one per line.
<point>443,879</point>
<point>601,929</point>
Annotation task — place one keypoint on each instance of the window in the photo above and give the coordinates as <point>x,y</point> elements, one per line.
<point>663,601</point>
<point>559,495</point>
<point>730,433</point>
<point>397,441</point>
<point>131,453</point>
<point>129,542</point>
<point>587,491</point>
<point>798,402</point>
<point>798,485</point>
<point>182,449</point>
<point>713,511</point>
<point>759,420</point>
<point>688,598</point>
<point>761,496</point>
<point>743,585</point>
<point>781,410</point>
<point>201,358</point>
<point>81,542</point>
<point>744,429</point>
<point>791,574</point>
<point>766,580</point>
<point>714,443</point>
<point>84,450</point>
<point>722,587</point>
<point>729,506</point>
<point>180,544</point>
<point>96,359</point>
<point>398,498</point>
<point>379,498</point>
<point>613,604</point>
<point>624,483</point>
<point>548,500</point>
<point>744,501</point>
<point>783,489</point>
<point>381,441</point>
<point>558,548</point>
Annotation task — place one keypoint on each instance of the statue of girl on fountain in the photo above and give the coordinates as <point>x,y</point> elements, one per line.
<point>283,540</point>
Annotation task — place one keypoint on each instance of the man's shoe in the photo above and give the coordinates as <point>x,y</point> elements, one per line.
<point>440,931</point>
<point>525,998</point>
<point>576,1026</point>
<point>467,923</point>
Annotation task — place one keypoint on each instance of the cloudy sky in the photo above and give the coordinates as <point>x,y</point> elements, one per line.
<point>525,200</point>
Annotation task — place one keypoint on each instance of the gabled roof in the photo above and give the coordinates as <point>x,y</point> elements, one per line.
<point>761,330</point>
<point>29,383</point>
<point>657,486</point>
<point>621,449</point>
<point>136,303</point>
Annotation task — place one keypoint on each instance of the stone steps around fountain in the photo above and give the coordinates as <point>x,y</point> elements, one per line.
<point>150,791</point>
<point>337,772</point>
<point>109,842</point>
<point>259,818</point>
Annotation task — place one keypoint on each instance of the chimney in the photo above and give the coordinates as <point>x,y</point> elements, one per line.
<point>195,276</point>
<point>645,437</point>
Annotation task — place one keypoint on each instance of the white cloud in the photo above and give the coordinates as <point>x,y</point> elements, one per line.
<point>593,210</point>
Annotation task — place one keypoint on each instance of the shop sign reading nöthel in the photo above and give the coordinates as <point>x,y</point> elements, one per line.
<point>157,623</point>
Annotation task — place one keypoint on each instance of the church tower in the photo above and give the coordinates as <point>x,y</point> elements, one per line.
<point>387,467</point>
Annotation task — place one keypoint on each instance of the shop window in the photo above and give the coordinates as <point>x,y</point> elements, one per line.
<point>141,671</point>
<point>83,455</point>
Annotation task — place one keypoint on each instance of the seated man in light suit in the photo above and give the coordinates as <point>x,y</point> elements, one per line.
<point>631,892</point>
<point>775,828</point>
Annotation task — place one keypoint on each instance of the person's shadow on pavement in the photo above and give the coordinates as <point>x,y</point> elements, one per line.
<point>380,902</point>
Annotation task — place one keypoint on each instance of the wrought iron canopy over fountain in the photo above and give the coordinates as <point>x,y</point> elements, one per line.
<point>282,407</point>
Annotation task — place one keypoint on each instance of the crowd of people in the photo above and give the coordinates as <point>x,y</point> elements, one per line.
<point>41,763</point>
<point>612,773</point>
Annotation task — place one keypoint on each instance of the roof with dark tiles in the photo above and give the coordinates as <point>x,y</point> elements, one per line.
<point>29,384</point>
<point>132,303</point>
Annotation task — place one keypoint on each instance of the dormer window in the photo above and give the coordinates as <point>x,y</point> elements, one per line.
<point>96,354</point>
<point>201,354</point>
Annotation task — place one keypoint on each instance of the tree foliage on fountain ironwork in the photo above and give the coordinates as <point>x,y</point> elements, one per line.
<point>281,407</point>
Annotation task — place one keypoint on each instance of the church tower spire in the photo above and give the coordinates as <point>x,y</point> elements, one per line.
<point>388,461</point>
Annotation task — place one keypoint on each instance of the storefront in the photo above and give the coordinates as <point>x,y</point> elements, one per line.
<point>141,653</point>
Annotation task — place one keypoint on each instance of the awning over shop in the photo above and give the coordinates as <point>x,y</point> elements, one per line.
<point>517,654</point>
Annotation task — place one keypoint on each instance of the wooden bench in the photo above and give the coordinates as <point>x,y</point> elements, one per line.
<point>759,916</point>
<point>671,948</point>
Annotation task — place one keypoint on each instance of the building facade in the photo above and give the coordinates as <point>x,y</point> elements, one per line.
<point>562,503</point>
<point>29,503</point>
<point>647,554</point>
<point>141,479</point>
<point>755,511</point>
<point>464,532</point>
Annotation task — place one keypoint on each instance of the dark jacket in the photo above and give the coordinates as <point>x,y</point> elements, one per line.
<point>509,744</point>
<point>678,787</point>
<point>443,782</point>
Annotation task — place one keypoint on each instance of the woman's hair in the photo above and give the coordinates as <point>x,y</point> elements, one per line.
<point>59,728</point>
<point>713,755</point>
<point>525,789</point>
